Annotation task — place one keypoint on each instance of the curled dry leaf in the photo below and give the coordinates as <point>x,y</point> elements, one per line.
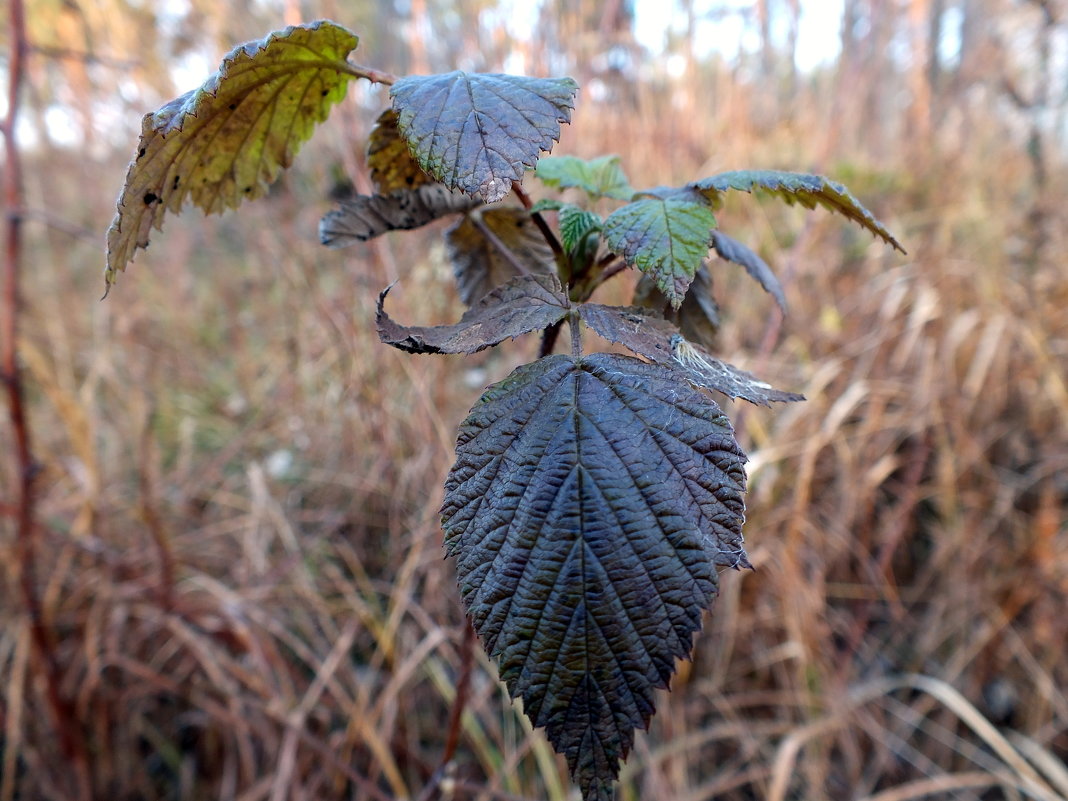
<point>524,304</point>
<point>367,216</point>
<point>225,142</point>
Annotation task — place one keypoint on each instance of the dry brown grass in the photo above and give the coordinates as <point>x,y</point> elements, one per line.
<point>241,565</point>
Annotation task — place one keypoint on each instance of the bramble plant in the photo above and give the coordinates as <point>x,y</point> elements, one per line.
<point>594,495</point>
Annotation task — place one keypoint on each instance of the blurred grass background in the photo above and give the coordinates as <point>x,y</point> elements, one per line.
<point>240,569</point>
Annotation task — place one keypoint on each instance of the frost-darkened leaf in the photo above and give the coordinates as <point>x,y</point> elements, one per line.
<point>481,264</point>
<point>698,316</point>
<point>734,251</point>
<point>478,132</point>
<point>808,190</point>
<point>390,160</point>
<point>367,216</point>
<point>658,340</point>
<point>589,504</point>
<point>599,177</point>
<point>666,238</point>
<point>524,304</point>
<point>576,224</point>
<point>226,141</point>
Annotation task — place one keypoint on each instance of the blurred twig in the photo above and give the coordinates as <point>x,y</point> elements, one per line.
<point>67,729</point>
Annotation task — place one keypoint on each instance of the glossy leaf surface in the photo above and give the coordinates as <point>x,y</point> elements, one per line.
<point>666,238</point>
<point>226,141</point>
<point>588,506</point>
<point>656,339</point>
<point>524,304</point>
<point>477,132</point>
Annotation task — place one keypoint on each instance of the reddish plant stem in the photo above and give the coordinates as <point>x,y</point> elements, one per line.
<point>456,714</point>
<point>546,231</point>
<point>68,731</point>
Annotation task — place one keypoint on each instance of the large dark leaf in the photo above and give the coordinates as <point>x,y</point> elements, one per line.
<point>493,244</point>
<point>667,238</point>
<point>589,504</point>
<point>225,142</point>
<point>793,187</point>
<point>698,316</point>
<point>390,160</point>
<point>655,338</point>
<point>477,132</point>
<point>524,304</point>
<point>367,216</point>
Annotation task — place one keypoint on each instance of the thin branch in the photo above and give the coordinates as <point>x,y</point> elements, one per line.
<point>373,75</point>
<point>452,738</point>
<point>68,731</point>
<point>546,231</point>
<point>548,339</point>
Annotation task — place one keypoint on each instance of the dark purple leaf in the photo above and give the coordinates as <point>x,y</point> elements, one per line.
<point>477,133</point>
<point>524,304</point>
<point>590,502</point>
<point>658,340</point>
<point>367,216</point>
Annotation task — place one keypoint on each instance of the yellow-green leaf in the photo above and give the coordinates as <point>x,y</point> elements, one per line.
<point>226,141</point>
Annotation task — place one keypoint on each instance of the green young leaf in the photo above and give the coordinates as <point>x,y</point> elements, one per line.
<point>732,250</point>
<point>600,177</point>
<point>390,160</point>
<point>367,216</point>
<point>226,141</point>
<point>656,339</point>
<point>576,224</point>
<point>477,132</point>
<point>492,244</point>
<point>527,303</point>
<point>664,237</point>
<point>589,503</point>
<point>808,190</point>
<point>698,316</point>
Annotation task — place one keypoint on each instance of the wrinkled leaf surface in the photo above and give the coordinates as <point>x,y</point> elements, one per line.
<point>589,503</point>
<point>658,340</point>
<point>477,132</point>
<point>524,304</point>
<point>665,238</point>
<point>808,190</point>
<point>480,264</point>
<point>226,141</point>
<point>367,216</point>
<point>599,177</point>
<point>576,224</point>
